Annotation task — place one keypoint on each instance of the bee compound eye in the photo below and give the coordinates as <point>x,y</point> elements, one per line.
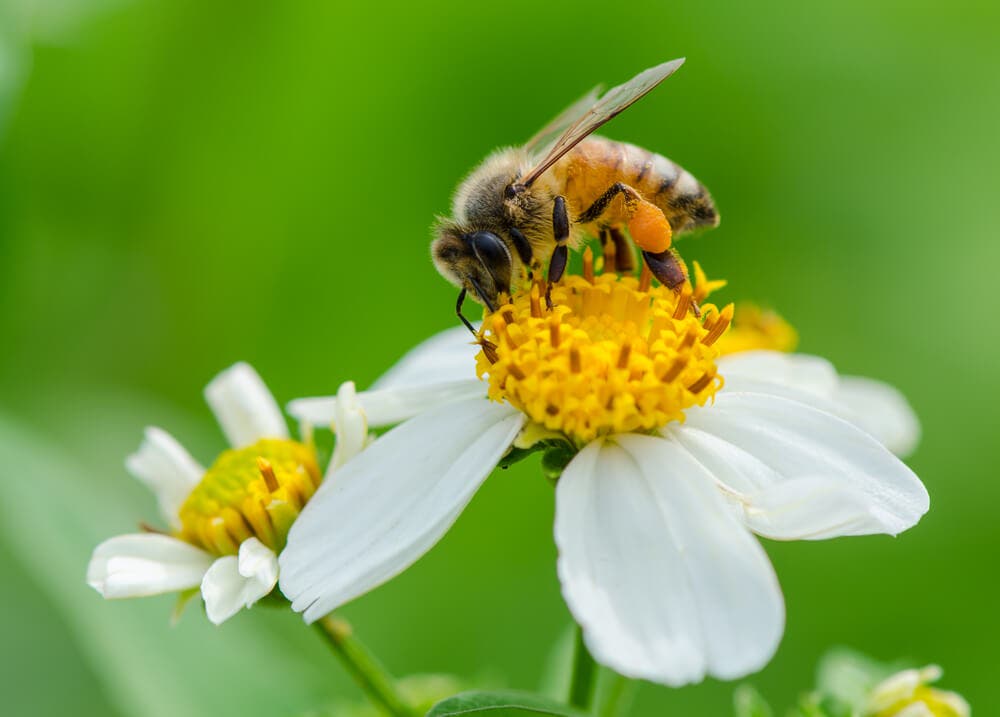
<point>494,255</point>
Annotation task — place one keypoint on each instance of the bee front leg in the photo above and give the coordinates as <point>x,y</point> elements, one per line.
<point>458,311</point>
<point>669,270</point>
<point>560,255</point>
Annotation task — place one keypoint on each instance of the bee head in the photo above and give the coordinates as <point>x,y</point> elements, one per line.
<point>477,261</point>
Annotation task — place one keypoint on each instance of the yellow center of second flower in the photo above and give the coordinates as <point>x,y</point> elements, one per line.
<point>249,492</point>
<point>613,355</point>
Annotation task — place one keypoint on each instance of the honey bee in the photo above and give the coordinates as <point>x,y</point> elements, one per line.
<point>524,206</point>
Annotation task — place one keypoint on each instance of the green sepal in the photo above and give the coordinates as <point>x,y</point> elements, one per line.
<point>555,459</point>
<point>500,704</point>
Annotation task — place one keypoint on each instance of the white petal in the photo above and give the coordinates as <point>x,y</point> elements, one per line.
<point>667,583</point>
<point>142,564</point>
<point>392,503</point>
<point>233,583</point>
<point>389,406</point>
<point>801,473</point>
<point>244,406</point>
<point>799,372</point>
<point>881,410</point>
<point>873,406</point>
<point>351,426</point>
<point>169,471</point>
<point>259,562</point>
<point>443,358</point>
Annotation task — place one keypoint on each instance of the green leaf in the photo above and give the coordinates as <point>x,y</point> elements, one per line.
<point>748,702</point>
<point>66,495</point>
<point>500,704</point>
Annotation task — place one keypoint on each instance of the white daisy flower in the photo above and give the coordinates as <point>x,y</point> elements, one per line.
<point>226,523</point>
<point>670,475</point>
<point>909,694</point>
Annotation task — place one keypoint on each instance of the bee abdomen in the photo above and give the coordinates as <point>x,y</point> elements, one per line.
<point>682,198</point>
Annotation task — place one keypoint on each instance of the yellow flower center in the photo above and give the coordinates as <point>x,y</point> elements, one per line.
<point>249,492</point>
<point>755,328</point>
<point>614,355</point>
<point>938,702</point>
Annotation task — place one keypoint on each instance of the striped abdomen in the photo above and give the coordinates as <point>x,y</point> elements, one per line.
<point>597,163</point>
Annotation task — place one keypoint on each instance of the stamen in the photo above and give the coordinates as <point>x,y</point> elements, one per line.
<point>610,260</point>
<point>536,305</point>
<point>683,301</point>
<point>267,470</point>
<point>614,355</point>
<point>675,370</point>
<point>725,317</point>
<point>588,265</point>
<point>489,350</point>
<point>699,385</point>
<point>645,278</point>
<point>623,355</point>
<point>255,491</point>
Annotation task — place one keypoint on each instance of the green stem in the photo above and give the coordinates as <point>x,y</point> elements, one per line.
<point>581,686</point>
<point>364,667</point>
<point>616,695</point>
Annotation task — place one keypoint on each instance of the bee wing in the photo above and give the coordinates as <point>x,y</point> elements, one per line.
<point>565,119</point>
<point>611,104</point>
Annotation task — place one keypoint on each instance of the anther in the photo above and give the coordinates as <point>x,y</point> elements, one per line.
<point>554,331</point>
<point>588,265</point>
<point>699,385</point>
<point>516,371</point>
<point>675,370</point>
<point>610,263</point>
<point>623,355</point>
<point>536,306</point>
<point>720,326</point>
<point>645,278</point>
<point>508,316</point>
<point>574,360</point>
<point>683,301</point>
<point>489,350</point>
<point>267,471</point>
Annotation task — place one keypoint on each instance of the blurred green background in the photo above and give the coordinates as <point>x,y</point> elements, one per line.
<point>184,184</point>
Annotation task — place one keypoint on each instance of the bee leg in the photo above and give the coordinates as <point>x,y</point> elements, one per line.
<point>666,267</point>
<point>601,204</point>
<point>458,311</point>
<point>624,258</point>
<point>560,255</point>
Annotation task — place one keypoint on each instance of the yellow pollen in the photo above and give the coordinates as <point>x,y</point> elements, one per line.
<point>614,355</point>
<point>249,492</point>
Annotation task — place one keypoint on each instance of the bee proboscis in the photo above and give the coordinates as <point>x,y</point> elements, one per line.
<point>527,205</point>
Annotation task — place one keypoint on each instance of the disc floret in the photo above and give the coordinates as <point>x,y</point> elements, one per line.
<point>255,491</point>
<point>613,355</point>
